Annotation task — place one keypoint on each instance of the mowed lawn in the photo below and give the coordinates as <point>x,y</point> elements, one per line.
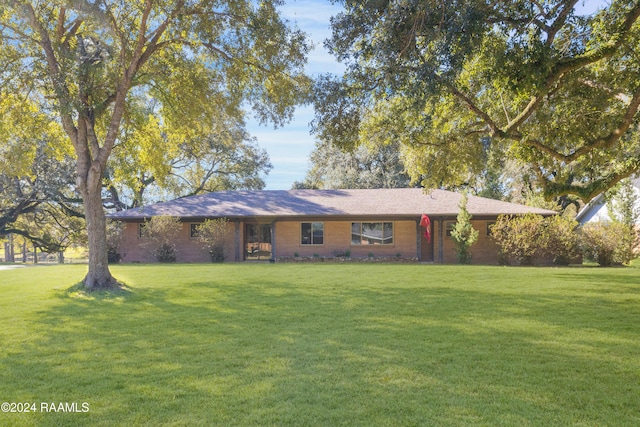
<point>324,345</point>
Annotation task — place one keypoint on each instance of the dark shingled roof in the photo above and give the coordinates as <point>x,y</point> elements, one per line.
<point>406,202</point>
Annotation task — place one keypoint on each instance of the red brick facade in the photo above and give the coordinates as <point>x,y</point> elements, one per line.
<point>286,241</point>
<point>277,224</point>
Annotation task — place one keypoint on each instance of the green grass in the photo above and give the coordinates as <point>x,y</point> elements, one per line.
<point>327,345</point>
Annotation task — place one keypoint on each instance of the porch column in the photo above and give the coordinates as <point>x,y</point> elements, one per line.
<point>440,241</point>
<point>238,244</point>
<point>273,241</point>
<point>418,241</point>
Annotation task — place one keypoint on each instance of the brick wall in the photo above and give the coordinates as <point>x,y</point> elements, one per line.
<point>188,249</point>
<point>337,239</point>
<point>484,251</point>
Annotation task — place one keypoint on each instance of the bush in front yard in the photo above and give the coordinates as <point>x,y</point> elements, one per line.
<point>159,237</point>
<point>533,239</point>
<point>608,243</point>
<point>115,230</point>
<point>563,240</point>
<point>212,235</point>
<point>518,238</point>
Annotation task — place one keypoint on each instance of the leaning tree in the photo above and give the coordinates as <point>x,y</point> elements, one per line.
<point>461,82</point>
<point>91,64</point>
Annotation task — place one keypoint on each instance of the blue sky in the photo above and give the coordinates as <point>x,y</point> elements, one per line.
<point>289,147</point>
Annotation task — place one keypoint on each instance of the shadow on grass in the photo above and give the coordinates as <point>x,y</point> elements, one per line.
<point>79,291</point>
<point>612,280</point>
<point>278,352</point>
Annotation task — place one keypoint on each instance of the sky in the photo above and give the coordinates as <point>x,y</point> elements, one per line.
<point>289,147</point>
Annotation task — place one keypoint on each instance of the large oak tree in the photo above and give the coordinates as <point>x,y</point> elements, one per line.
<point>91,64</point>
<point>460,82</point>
<point>220,159</point>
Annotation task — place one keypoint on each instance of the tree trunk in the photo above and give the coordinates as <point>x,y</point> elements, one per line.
<point>99,276</point>
<point>12,251</point>
<point>7,251</point>
<point>61,257</point>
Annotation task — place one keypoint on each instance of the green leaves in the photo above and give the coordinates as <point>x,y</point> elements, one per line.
<point>148,78</point>
<point>536,240</point>
<point>463,233</point>
<point>557,90</point>
<point>22,126</point>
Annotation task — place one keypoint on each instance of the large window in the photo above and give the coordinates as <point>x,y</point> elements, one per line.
<point>312,233</point>
<point>371,233</point>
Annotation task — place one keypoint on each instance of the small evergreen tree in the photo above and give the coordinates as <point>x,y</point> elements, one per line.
<point>463,234</point>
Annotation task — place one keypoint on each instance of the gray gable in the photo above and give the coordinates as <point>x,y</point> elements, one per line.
<point>597,209</point>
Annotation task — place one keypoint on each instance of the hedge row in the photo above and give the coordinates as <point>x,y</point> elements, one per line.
<point>536,240</point>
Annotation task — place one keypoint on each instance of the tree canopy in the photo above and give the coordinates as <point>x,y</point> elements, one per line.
<point>459,82</point>
<point>212,162</point>
<point>37,200</point>
<point>154,73</point>
<point>363,167</point>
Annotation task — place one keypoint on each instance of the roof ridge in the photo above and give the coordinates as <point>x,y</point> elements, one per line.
<point>390,202</point>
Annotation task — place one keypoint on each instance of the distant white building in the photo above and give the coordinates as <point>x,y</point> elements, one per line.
<point>597,209</point>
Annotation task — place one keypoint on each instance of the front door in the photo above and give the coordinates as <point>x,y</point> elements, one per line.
<point>257,242</point>
<point>426,245</point>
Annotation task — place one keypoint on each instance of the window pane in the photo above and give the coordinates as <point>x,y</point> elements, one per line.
<point>356,233</point>
<point>387,234</point>
<point>318,233</point>
<point>371,233</point>
<point>311,233</point>
<point>305,238</point>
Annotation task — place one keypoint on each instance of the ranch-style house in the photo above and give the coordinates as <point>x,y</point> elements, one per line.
<point>408,223</point>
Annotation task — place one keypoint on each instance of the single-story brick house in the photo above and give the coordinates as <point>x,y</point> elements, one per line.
<point>280,224</point>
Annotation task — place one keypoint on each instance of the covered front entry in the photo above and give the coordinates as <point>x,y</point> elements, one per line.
<point>257,242</point>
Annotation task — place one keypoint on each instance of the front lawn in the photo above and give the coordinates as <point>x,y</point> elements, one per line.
<point>318,344</point>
